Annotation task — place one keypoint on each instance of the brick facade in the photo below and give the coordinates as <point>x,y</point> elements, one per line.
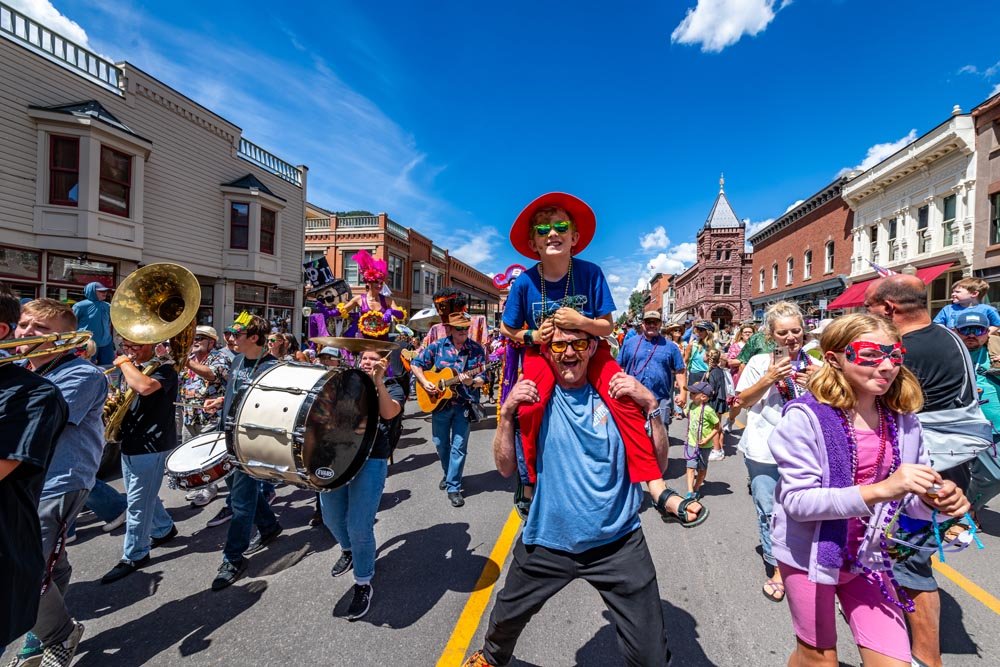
<point>986,250</point>
<point>804,235</point>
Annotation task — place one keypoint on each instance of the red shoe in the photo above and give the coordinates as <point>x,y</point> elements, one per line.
<point>476,660</point>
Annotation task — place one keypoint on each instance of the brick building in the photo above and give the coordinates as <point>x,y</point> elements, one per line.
<point>417,267</point>
<point>657,296</point>
<point>717,286</point>
<point>986,227</point>
<point>805,255</point>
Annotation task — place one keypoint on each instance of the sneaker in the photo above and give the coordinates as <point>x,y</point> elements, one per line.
<point>160,541</point>
<point>30,654</point>
<point>476,660</point>
<point>343,565</point>
<point>224,515</point>
<point>717,455</point>
<point>114,523</point>
<point>228,574</point>
<point>456,499</point>
<point>61,654</point>
<point>124,568</point>
<point>202,497</point>
<point>259,542</point>
<point>442,484</point>
<point>728,428</point>
<point>316,519</point>
<point>361,602</point>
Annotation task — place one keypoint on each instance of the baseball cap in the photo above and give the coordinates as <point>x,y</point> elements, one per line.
<point>971,318</point>
<point>652,315</point>
<point>700,388</point>
<point>329,352</point>
<point>704,324</point>
<point>103,289</point>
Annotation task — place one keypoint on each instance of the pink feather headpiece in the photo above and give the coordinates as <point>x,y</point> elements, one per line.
<point>370,269</point>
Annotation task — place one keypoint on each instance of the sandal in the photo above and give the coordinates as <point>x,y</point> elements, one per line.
<point>954,531</point>
<point>777,593</point>
<point>681,515</point>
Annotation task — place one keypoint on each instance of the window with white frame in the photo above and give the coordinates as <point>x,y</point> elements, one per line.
<point>893,243</point>
<point>873,239</point>
<point>774,275</point>
<point>807,265</point>
<point>351,267</point>
<point>923,233</point>
<point>995,218</point>
<point>789,271</point>
<point>948,223</point>
<point>760,287</point>
<point>828,261</point>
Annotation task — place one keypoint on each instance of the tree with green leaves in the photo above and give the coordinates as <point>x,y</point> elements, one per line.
<point>635,304</point>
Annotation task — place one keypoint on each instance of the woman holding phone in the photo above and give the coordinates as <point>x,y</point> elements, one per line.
<point>768,381</point>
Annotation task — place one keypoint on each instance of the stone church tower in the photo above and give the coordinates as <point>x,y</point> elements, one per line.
<point>717,286</point>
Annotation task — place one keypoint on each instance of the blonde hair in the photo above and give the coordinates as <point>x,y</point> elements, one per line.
<point>977,285</point>
<point>829,385</point>
<point>712,357</point>
<point>779,311</point>
<point>54,310</point>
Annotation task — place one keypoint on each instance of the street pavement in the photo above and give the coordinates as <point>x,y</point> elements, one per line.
<point>289,610</point>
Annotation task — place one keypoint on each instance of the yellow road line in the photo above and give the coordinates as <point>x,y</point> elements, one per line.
<point>972,589</point>
<point>468,620</point>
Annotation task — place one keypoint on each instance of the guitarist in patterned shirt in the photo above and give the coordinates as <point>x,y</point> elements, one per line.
<point>450,421</point>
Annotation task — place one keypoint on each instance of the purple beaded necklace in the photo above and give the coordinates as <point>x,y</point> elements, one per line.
<point>900,599</point>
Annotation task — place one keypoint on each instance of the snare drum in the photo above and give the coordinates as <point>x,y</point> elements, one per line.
<point>199,462</point>
<point>305,425</point>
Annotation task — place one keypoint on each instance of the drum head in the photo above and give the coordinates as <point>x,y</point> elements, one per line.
<point>340,423</point>
<point>198,453</point>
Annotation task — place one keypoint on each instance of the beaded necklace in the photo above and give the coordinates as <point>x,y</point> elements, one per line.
<point>567,291</point>
<point>897,596</point>
<point>787,388</point>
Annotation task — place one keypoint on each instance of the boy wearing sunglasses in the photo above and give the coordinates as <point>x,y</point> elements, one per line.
<point>567,292</point>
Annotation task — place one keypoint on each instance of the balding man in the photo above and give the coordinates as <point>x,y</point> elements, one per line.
<point>940,361</point>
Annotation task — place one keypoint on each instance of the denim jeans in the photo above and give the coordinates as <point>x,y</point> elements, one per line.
<point>146,517</point>
<point>349,513</point>
<point>450,432</point>
<point>105,501</point>
<point>246,499</point>
<point>763,480</point>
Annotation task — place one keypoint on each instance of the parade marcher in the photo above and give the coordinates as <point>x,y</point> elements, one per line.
<point>583,522</point>
<point>247,501</point>
<point>148,434</point>
<point>349,511</point>
<point>204,377</point>
<point>656,363</point>
<point>32,416</point>
<point>565,291</point>
<point>93,314</point>
<point>940,361</point>
<point>850,458</point>
<point>973,328</point>
<point>329,357</point>
<point>966,295</point>
<point>450,423</point>
<point>69,477</point>
<point>378,311</point>
<point>766,384</point>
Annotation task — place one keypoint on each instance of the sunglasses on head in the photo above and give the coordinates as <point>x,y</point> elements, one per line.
<point>578,344</point>
<point>866,353</point>
<point>972,330</point>
<point>561,226</point>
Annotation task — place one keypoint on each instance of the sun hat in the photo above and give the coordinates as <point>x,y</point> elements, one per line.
<point>203,330</point>
<point>581,214</point>
<point>459,320</point>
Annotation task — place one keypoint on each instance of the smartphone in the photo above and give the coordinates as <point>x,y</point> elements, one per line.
<point>780,352</point>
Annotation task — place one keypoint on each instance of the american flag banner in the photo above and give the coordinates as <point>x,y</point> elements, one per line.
<point>881,270</point>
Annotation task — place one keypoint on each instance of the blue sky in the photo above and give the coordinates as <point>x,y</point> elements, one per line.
<point>451,116</point>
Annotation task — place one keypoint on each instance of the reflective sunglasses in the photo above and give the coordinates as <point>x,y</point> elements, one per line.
<point>272,339</point>
<point>328,299</point>
<point>579,344</point>
<point>866,353</point>
<point>972,330</point>
<point>562,226</point>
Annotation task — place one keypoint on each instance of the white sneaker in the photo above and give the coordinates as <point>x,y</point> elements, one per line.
<point>716,455</point>
<point>114,523</point>
<point>204,496</point>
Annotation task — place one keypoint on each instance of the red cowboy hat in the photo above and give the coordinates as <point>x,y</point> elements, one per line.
<point>583,220</point>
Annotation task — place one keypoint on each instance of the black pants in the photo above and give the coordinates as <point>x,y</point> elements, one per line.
<point>622,572</point>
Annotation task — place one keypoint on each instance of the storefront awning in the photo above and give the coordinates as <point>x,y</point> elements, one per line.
<point>854,295</point>
<point>678,317</point>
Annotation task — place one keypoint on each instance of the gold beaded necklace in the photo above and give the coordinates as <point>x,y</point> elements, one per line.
<point>567,292</point>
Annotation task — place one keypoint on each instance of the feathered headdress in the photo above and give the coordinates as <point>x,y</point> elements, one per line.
<point>370,269</point>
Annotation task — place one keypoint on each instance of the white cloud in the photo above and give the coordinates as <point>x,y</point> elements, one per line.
<point>43,12</point>
<point>754,227</point>
<point>716,24</point>
<point>879,152</point>
<point>655,240</point>
<point>969,69</point>
<point>475,248</point>
<point>791,206</point>
<point>996,89</point>
<point>613,278</point>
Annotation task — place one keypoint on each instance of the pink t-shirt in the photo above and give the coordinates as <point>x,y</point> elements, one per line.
<point>868,444</point>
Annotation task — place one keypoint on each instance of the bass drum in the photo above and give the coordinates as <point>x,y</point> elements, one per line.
<point>305,425</point>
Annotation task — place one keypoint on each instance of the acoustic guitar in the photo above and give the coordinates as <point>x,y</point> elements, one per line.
<point>444,379</point>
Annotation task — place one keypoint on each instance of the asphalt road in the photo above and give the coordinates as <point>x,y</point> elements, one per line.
<point>289,610</point>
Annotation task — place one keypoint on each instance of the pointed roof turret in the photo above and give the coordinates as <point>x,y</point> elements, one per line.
<point>722,215</point>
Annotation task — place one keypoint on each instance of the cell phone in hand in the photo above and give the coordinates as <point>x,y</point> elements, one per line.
<point>780,352</point>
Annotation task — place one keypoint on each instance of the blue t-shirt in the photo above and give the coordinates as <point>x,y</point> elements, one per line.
<point>950,313</point>
<point>588,293</point>
<point>78,450</point>
<point>653,363</point>
<point>590,501</point>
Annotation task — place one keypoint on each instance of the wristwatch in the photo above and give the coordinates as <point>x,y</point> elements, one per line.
<point>528,339</point>
<point>649,420</point>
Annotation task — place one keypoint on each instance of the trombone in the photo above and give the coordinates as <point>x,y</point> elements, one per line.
<point>64,342</point>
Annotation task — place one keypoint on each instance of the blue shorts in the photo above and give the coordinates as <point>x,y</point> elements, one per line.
<point>699,462</point>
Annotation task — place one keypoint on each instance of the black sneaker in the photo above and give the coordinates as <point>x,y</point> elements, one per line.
<point>61,654</point>
<point>228,574</point>
<point>160,541</point>
<point>442,484</point>
<point>316,519</point>
<point>456,499</point>
<point>124,568</point>
<point>260,541</point>
<point>343,565</point>
<point>224,515</point>
<point>361,602</point>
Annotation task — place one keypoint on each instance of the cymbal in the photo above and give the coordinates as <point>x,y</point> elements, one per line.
<point>354,344</point>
